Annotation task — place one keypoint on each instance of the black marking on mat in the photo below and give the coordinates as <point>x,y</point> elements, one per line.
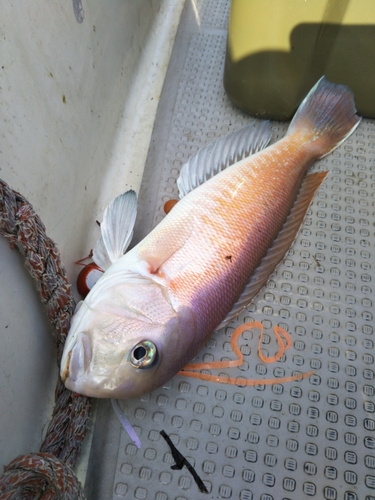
<point>181,461</point>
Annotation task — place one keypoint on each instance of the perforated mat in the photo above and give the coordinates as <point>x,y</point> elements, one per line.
<point>312,439</point>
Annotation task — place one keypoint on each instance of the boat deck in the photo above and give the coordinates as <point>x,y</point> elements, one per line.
<point>312,439</point>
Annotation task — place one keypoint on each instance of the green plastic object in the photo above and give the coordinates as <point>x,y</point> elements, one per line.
<point>278,49</point>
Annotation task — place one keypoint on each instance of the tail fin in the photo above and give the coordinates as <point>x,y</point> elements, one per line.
<point>327,116</point>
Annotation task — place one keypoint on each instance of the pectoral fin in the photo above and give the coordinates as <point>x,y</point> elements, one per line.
<point>117,229</point>
<point>280,246</point>
<point>222,153</point>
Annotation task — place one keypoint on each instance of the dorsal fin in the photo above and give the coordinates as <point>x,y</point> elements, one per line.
<point>117,230</point>
<point>280,246</point>
<point>222,153</point>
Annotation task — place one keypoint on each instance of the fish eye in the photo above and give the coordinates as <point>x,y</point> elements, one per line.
<point>143,355</point>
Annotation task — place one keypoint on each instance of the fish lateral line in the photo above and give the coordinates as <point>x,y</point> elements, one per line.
<point>189,370</point>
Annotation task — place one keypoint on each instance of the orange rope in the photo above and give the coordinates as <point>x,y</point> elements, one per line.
<point>281,335</point>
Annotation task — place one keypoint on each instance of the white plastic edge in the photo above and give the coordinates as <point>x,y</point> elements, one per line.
<point>134,131</point>
<point>134,135</point>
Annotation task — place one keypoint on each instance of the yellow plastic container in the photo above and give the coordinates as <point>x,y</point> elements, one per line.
<point>278,49</point>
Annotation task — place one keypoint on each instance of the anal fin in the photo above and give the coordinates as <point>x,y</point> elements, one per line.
<point>281,245</point>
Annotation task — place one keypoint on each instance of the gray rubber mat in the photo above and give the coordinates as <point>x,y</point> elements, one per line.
<point>311,439</point>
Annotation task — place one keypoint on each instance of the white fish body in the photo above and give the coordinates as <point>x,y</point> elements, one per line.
<point>155,307</point>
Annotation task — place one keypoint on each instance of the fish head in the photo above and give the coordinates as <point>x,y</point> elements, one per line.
<point>123,341</point>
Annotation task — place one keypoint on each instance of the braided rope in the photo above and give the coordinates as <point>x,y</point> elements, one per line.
<point>62,445</point>
<point>40,475</point>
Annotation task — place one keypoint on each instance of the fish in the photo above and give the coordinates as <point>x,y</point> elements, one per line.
<point>241,204</point>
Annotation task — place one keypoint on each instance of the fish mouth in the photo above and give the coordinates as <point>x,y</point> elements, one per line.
<point>78,359</point>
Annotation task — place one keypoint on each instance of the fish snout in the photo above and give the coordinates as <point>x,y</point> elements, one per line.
<point>78,359</point>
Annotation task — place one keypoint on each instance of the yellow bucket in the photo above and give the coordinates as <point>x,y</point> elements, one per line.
<point>278,49</point>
